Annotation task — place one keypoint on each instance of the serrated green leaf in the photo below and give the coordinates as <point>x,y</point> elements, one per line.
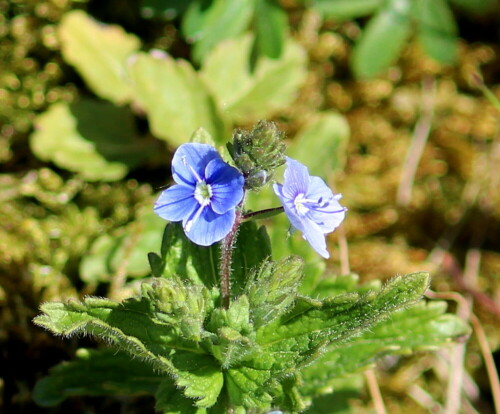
<point>174,98</point>
<point>99,53</point>
<point>104,372</point>
<point>200,376</point>
<point>273,288</point>
<point>422,326</point>
<point>93,138</point>
<point>382,39</point>
<point>126,248</point>
<point>189,261</point>
<point>437,30</point>
<point>249,95</point>
<point>330,286</point>
<point>252,248</point>
<point>206,24</point>
<point>169,400</point>
<point>346,9</point>
<point>130,325</point>
<point>295,337</point>
<point>325,139</point>
<point>270,22</point>
<point>245,387</point>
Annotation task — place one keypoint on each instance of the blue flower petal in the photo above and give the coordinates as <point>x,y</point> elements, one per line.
<point>296,178</point>
<point>226,183</point>
<point>210,227</point>
<point>175,203</point>
<point>190,161</point>
<point>315,237</point>
<point>310,205</point>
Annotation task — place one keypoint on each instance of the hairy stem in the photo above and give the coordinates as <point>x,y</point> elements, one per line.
<point>261,214</point>
<point>225,262</point>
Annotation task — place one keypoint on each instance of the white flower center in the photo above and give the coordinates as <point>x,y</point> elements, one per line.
<point>299,203</point>
<point>203,193</point>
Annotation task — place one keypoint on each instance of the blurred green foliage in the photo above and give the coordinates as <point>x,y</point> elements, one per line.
<point>53,218</point>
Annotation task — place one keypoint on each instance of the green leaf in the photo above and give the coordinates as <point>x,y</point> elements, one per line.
<point>170,401</point>
<point>99,53</point>
<point>475,6</point>
<point>125,249</point>
<point>200,376</point>
<point>347,389</point>
<point>273,288</point>
<point>234,333</point>
<point>424,326</point>
<point>207,23</point>
<point>104,372</point>
<point>295,337</point>
<point>174,98</point>
<point>346,9</point>
<point>270,22</point>
<point>437,30</point>
<point>93,138</point>
<point>321,144</point>
<point>382,39</point>
<point>249,95</point>
<point>252,248</point>
<point>132,325</point>
<point>245,387</point>
<point>167,9</point>
<point>189,261</point>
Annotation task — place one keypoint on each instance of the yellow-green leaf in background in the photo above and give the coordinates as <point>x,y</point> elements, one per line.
<point>321,144</point>
<point>249,95</point>
<point>93,138</point>
<point>99,53</point>
<point>176,101</point>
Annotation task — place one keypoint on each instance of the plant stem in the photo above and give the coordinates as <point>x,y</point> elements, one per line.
<point>268,212</point>
<point>225,262</point>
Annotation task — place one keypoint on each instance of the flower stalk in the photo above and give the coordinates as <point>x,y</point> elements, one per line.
<point>227,247</point>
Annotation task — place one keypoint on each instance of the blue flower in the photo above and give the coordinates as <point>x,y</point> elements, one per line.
<point>310,205</point>
<point>205,195</point>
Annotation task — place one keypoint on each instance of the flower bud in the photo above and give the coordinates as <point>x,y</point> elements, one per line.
<point>258,153</point>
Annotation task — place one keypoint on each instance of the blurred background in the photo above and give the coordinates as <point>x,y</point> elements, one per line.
<point>394,102</point>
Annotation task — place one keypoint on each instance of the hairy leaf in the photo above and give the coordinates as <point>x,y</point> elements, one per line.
<point>96,373</point>
<point>295,337</point>
<point>424,326</point>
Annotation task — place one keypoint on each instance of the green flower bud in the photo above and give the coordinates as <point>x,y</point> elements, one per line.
<point>258,153</point>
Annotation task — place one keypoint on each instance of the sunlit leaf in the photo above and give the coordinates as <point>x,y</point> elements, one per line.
<point>93,138</point>
<point>175,99</point>
<point>248,95</point>
<point>206,24</point>
<point>325,136</point>
<point>99,53</point>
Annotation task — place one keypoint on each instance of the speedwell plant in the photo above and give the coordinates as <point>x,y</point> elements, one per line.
<point>222,326</point>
